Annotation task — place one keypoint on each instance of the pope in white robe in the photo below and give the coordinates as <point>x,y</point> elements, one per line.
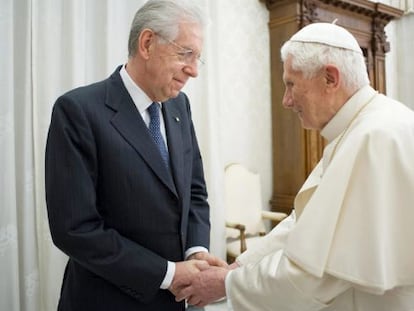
<point>348,245</point>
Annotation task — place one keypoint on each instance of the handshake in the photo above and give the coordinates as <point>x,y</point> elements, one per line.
<point>200,280</point>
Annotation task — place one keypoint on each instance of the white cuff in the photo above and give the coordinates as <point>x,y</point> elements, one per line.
<point>193,250</point>
<point>169,275</point>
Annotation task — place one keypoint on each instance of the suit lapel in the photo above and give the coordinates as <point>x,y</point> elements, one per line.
<point>172,120</point>
<point>128,122</point>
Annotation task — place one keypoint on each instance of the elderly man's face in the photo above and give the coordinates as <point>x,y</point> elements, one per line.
<point>171,65</point>
<point>306,97</point>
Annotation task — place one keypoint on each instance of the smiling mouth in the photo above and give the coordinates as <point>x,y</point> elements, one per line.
<point>182,83</point>
<point>299,113</point>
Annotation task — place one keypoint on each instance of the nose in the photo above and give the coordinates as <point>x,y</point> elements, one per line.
<point>191,69</point>
<point>287,101</point>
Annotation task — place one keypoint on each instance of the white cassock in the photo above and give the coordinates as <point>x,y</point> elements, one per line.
<point>351,246</point>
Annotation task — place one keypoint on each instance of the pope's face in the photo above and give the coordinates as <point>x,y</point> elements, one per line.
<point>306,97</point>
<point>168,68</point>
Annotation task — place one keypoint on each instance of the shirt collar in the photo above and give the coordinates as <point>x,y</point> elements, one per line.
<point>345,114</point>
<point>140,99</point>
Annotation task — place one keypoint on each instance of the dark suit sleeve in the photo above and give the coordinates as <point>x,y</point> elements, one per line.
<point>77,227</point>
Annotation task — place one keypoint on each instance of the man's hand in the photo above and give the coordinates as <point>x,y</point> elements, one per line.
<point>211,259</point>
<point>185,272</point>
<point>206,287</point>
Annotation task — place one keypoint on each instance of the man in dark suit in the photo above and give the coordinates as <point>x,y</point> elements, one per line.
<point>131,210</point>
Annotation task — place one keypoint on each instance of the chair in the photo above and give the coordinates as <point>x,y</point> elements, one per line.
<point>245,217</point>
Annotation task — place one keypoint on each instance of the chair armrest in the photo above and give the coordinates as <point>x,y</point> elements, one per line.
<point>235,225</point>
<point>242,229</point>
<point>274,216</point>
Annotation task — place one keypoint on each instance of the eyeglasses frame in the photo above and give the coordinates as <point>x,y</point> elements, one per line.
<point>186,54</point>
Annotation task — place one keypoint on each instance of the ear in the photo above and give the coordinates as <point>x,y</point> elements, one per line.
<point>332,77</point>
<point>145,43</point>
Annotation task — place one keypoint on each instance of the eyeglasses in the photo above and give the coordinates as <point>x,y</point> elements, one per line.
<point>185,55</point>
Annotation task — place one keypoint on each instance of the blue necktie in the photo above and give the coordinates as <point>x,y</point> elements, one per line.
<point>154,129</point>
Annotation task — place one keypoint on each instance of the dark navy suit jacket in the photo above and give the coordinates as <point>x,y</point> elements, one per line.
<point>113,206</point>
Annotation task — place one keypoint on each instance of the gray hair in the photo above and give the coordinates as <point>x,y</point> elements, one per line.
<point>163,17</point>
<point>309,58</point>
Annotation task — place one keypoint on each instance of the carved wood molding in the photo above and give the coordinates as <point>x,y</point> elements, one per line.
<point>380,43</point>
<point>362,7</point>
<point>309,10</point>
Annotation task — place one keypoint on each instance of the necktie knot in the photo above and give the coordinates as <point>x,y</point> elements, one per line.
<point>155,131</point>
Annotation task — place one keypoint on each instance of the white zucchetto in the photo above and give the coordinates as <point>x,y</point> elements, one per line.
<point>328,34</point>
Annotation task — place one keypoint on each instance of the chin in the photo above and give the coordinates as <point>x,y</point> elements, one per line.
<point>305,125</point>
<point>174,94</point>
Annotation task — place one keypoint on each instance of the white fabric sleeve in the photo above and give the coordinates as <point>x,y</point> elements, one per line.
<point>273,241</point>
<point>169,276</point>
<point>276,283</point>
<point>193,250</point>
